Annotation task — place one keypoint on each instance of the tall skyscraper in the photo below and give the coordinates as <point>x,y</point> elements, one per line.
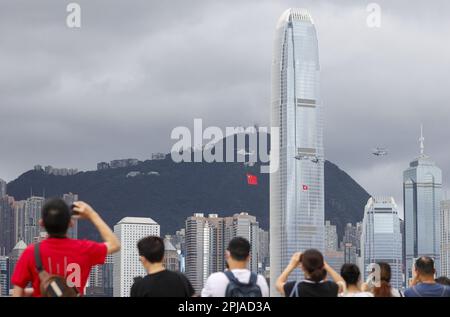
<point>7,228</point>
<point>331,237</point>
<point>422,190</point>
<point>130,230</point>
<point>207,239</point>
<point>204,248</point>
<point>445,238</point>
<point>381,240</point>
<point>14,257</point>
<point>19,220</point>
<point>33,207</point>
<point>297,187</point>
<point>70,199</point>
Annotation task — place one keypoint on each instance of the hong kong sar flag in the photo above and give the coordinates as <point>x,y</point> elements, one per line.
<point>305,187</point>
<point>252,179</point>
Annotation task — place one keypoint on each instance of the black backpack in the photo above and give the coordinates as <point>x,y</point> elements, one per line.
<point>236,288</point>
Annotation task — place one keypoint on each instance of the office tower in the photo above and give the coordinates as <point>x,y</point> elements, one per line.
<point>297,187</point>
<point>331,238</point>
<point>422,190</point>
<point>70,199</point>
<point>381,240</point>
<point>2,188</point>
<point>245,226</point>
<point>171,258</point>
<point>445,238</point>
<point>33,207</point>
<point>19,220</point>
<point>14,256</point>
<point>4,276</point>
<point>204,248</point>
<point>351,242</point>
<point>263,253</point>
<point>127,265</point>
<point>178,241</point>
<point>7,228</point>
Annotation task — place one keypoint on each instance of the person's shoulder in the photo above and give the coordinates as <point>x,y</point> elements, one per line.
<point>446,290</point>
<point>408,292</point>
<point>217,276</point>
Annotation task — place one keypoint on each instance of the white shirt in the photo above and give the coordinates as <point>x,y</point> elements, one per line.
<point>216,284</point>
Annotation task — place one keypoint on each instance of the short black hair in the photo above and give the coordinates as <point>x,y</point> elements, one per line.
<point>350,273</point>
<point>239,248</point>
<point>152,248</point>
<point>56,217</point>
<point>425,265</point>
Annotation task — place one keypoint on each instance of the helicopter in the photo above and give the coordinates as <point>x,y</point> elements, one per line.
<point>313,159</point>
<point>379,151</point>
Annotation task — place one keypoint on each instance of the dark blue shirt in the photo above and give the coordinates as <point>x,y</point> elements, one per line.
<point>428,290</point>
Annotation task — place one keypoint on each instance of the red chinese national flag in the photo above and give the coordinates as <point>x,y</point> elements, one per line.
<point>252,179</point>
<point>305,187</point>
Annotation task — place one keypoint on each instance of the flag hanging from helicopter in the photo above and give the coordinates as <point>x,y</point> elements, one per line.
<point>305,187</point>
<point>252,179</point>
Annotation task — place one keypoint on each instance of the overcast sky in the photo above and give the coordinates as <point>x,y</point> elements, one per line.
<point>136,69</point>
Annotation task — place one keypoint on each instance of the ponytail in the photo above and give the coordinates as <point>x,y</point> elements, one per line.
<point>383,291</point>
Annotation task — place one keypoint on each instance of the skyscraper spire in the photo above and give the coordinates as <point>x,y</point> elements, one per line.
<point>421,140</point>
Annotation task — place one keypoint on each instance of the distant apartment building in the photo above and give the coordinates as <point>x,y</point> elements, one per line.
<point>158,156</point>
<point>33,207</point>
<point>127,265</point>
<point>335,259</point>
<point>207,238</point>
<point>56,171</point>
<point>123,163</point>
<point>2,188</point>
<point>102,166</point>
<point>14,256</point>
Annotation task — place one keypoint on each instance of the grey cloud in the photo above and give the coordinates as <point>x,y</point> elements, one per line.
<point>136,69</point>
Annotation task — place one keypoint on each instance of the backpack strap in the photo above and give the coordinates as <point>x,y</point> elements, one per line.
<point>253,278</point>
<point>294,292</point>
<point>231,276</point>
<point>37,257</point>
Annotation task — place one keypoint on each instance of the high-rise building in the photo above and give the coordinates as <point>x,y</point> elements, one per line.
<point>204,248</point>
<point>108,279</point>
<point>297,187</point>
<point>127,265</point>
<point>70,199</point>
<point>4,276</point>
<point>263,253</point>
<point>7,228</point>
<point>19,220</point>
<point>351,242</point>
<point>422,190</point>
<point>207,239</point>
<point>14,256</point>
<point>33,207</point>
<point>381,240</point>
<point>171,256</point>
<point>245,226</point>
<point>331,237</point>
<point>445,238</point>
<point>2,188</point>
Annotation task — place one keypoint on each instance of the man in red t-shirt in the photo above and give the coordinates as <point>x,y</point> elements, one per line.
<point>60,255</point>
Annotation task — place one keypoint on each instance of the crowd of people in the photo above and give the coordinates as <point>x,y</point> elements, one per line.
<point>59,267</point>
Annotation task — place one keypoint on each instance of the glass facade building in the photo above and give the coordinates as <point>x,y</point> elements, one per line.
<point>422,190</point>
<point>381,239</point>
<point>297,187</point>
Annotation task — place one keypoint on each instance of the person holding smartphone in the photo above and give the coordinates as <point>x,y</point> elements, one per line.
<point>71,259</point>
<point>315,270</point>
